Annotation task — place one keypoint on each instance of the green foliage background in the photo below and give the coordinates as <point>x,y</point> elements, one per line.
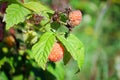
<point>100,32</point>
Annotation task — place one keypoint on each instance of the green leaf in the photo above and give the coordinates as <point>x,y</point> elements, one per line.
<point>37,7</point>
<point>42,48</point>
<point>15,14</point>
<point>66,57</point>
<point>79,48</point>
<point>2,61</point>
<point>9,61</point>
<point>75,47</point>
<point>55,25</point>
<point>18,77</point>
<point>59,68</point>
<point>3,76</point>
<point>43,10</point>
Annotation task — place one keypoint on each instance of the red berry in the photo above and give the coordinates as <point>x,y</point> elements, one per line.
<point>75,18</point>
<point>56,53</point>
<point>12,31</point>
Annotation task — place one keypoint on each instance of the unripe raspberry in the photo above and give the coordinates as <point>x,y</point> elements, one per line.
<point>35,19</point>
<point>56,53</point>
<point>56,16</point>
<point>75,18</point>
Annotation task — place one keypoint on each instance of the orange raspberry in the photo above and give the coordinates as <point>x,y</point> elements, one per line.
<point>75,18</point>
<point>56,53</point>
<point>10,40</point>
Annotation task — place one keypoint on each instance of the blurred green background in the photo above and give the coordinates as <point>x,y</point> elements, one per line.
<point>100,33</point>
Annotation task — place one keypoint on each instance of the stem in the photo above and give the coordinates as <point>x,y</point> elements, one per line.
<point>23,5</point>
<point>43,26</point>
<point>63,23</point>
<point>47,23</point>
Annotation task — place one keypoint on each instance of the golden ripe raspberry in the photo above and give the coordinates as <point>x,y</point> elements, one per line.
<point>10,40</point>
<point>75,18</point>
<point>56,53</point>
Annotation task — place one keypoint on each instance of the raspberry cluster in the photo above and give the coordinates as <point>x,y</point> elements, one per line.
<point>74,19</point>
